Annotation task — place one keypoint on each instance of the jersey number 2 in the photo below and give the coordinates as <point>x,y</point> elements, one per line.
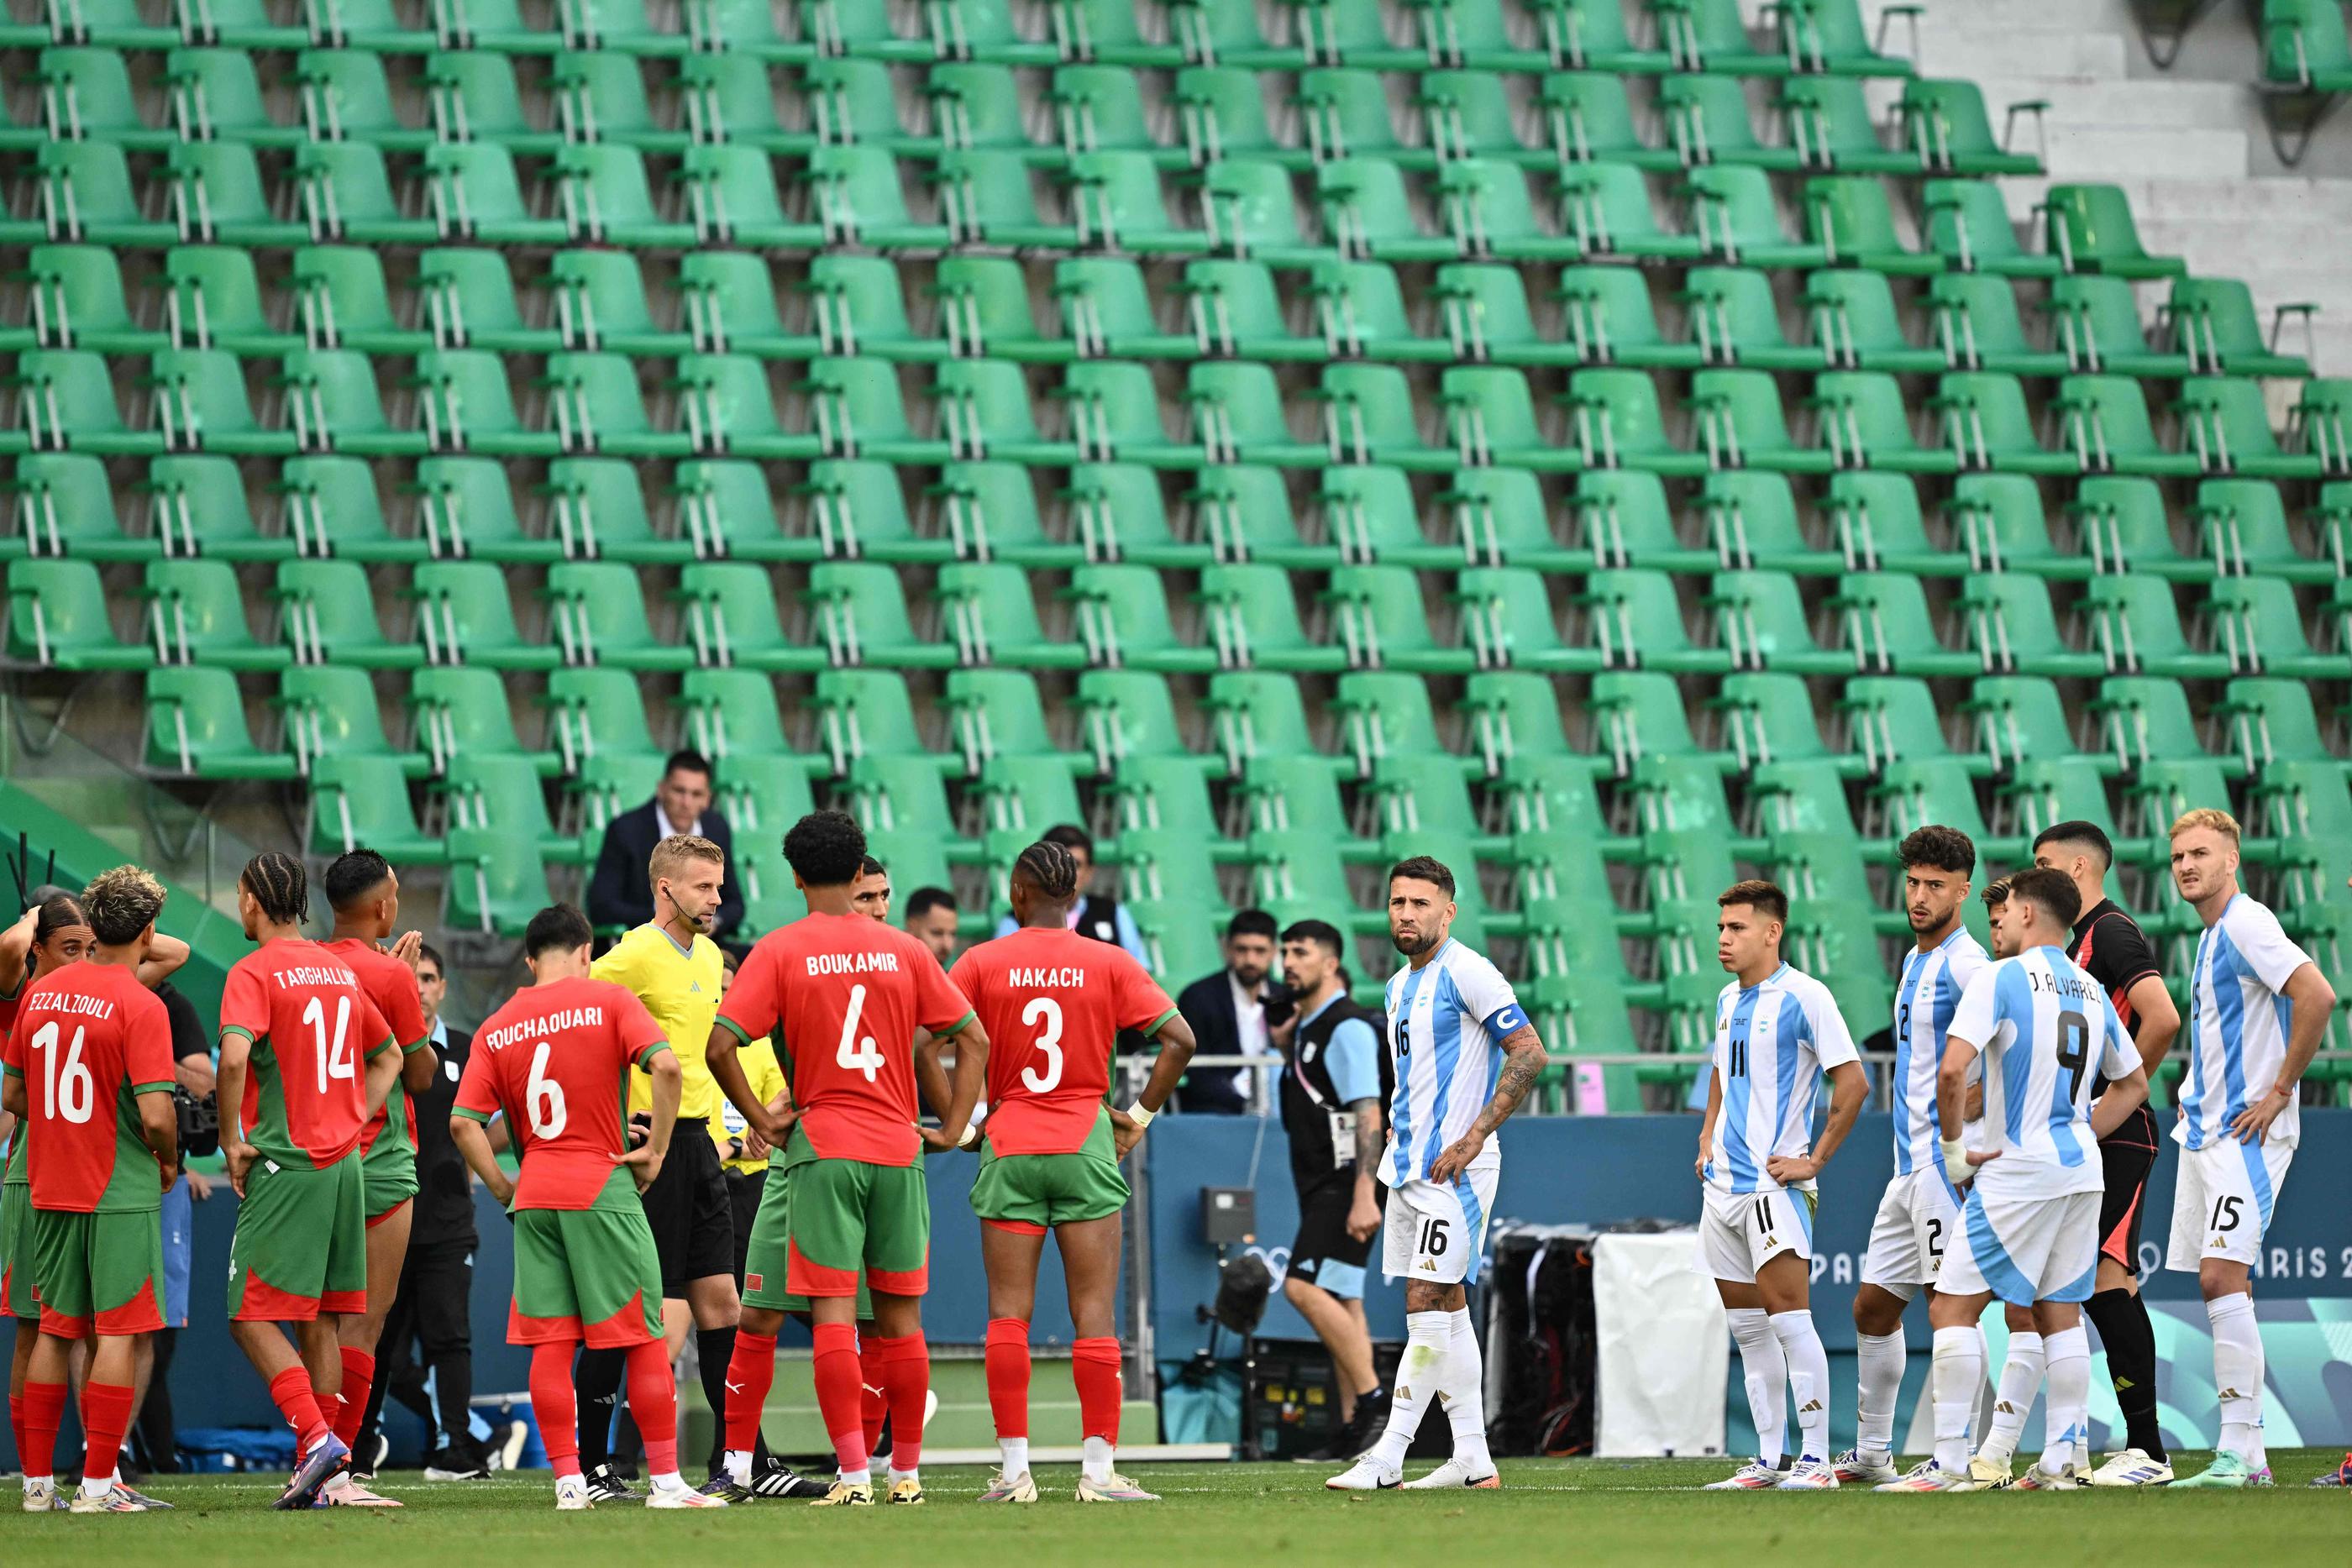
<point>1049,1042</point>
<point>857,1052</point>
<point>334,1059</point>
<point>67,1089</point>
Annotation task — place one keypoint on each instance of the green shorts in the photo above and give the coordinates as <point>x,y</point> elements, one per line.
<point>387,1174</point>
<point>101,1272</point>
<point>848,1213</point>
<point>300,1247</point>
<point>586,1274</point>
<point>766,1265</point>
<point>1033,1193</point>
<point>16,1296</point>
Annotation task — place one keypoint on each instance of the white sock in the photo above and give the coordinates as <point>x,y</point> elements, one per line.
<point>1809,1381</point>
<point>1016,1455</point>
<point>1765,1370</point>
<point>898,1475</point>
<point>1466,1397</point>
<point>2021,1374</point>
<point>1880,1385</point>
<point>97,1486</point>
<point>2237,1375</point>
<point>669,1480</point>
<point>1096,1460</point>
<point>2066,1365</point>
<point>739,1467</point>
<point>1953,1379</point>
<point>1428,1345</point>
<point>861,1477</point>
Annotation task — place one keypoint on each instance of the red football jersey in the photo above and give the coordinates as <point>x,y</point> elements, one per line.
<point>311,1026</point>
<point>1053,1003</point>
<point>555,1059</point>
<point>842,995</point>
<point>88,1039</point>
<point>391,985</point>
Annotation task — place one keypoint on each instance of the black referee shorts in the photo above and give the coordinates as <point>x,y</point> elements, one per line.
<point>1323,1253</point>
<point>693,1223</point>
<point>2126,1158</point>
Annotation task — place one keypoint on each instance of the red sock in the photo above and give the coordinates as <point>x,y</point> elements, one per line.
<point>905,1379</point>
<point>837,1384</point>
<point>44,1411</point>
<point>1008,1375</point>
<point>359,1374</point>
<point>750,1373</point>
<point>873,1406</point>
<point>290,1391</point>
<point>555,1405</point>
<point>105,1416</point>
<point>652,1400</point>
<point>1094,1367</point>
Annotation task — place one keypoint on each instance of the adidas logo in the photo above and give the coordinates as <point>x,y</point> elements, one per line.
<point>2228,1393</point>
<point>1402,1392</point>
<point>2003,1408</point>
<point>1809,1407</point>
<point>2122,1384</point>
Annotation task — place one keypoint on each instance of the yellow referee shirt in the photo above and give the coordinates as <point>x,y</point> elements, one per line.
<point>767,1081</point>
<point>680,987</point>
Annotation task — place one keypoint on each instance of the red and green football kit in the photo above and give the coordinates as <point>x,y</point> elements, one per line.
<point>555,1060</point>
<point>17,1299</point>
<point>388,1142</point>
<point>88,1041</point>
<point>300,1247</point>
<point>842,996</point>
<point>1053,1003</point>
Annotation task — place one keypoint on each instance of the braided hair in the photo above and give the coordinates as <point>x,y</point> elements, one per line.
<point>1050,868</point>
<point>279,885</point>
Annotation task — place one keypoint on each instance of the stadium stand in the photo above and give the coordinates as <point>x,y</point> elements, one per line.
<point>1612,447</point>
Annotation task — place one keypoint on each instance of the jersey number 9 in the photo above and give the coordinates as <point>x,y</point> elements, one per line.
<point>2074,1051</point>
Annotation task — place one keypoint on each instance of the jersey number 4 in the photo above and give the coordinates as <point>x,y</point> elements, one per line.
<point>857,1052</point>
<point>334,1054</point>
<point>1049,1043</point>
<point>68,1091</point>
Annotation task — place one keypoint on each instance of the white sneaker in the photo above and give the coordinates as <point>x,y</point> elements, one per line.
<point>2036,1479</point>
<point>1455,1474</point>
<point>572,1495</point>
<point>1367,1474</point>
<point>1753,1476</point>
<point>342,1491</point>
<point>1852,1470</point>
<point>1809,1474</point>
<point>41,1497</point>
<point>1927,1476</point>
<point>2132,1468</point>
<point>682,1497</point>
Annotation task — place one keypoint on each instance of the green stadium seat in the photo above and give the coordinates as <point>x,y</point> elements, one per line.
<point>991,512</point>
<point>1252,621</point>
<point>1830,35</point>
<point>197,506</point>
<point>75,300</point>
<point>63,506</point>
<point>363,800</point>
<point>1608,207</point>
<point>216,94</point>
<point>1333,32</point>
<point>1760,622</point>
<point>327,613</point>
<point>1498,517</point>
<point>599,513</point>
<point>1607,311</point>
<point>1590,118</point>
<point>606,198</point>
<point>856,508</point>
<point>1707,122</point>
<point>2045,790</point>
<point>329,508</point>
<point>1964,223</point>
<point>1226,33</point>
<point>59,620</point>
<point>596,405</point>
<point>496,880</point>
<point>2322,422</point>
<point>1116,201</point>
<point>469,301</point>
<point>66,400</point>
<point>475,194</point>
<point>859,309</point>
<point>1466,114</point>
<point>196,729</point>
<point>1735,319</point>
<point>726,511</point>
<point>2098,327</point>
<point>984,311</point>
<point>1383,715</point>
<point>725,406</point>
<point>732,716</point>
<point>332,401</point>
<point>1978,328</point>
<point>506,793</point>
<point>1023,796</point>
<point>1590,36</point>
<point>600,714</point>
<point>1237,311</point>
<point>860,614</point>
<point>464,613</point>
<point>2090,229</point>
<point>2137,625</point>
<point>1915,792</point>
<point>1886,626</point>
<point>85,196</point>
<point>1620,424</point>
<point>2269,721</point>
<point>1876,520</point>
<point>732,199</point>
<point>214,299</point>
<point>1471,33</point>
<point>1248,210</point>
<point>1486,208</point>
<point>1368,212</point>
<point>2107,423</point>
<point>372,25</point>
<point>1123,622</point>
<point>2021,718</point>
<point>1711,35</point>
<point>1344,115</point>
<point>1856,321</point>
<point>346,194</point>
<point>2213,321</point>
<point>729,98</point>
<point>1100,108</point>
<point>2008,620</point>
<point>1897,718</point>
<point>601,304</point>
<point>459,710</point>
<point>1850,219</point>
<point>989,611</point>
<point>621,26</point>
<point>199,402</point>
<point>1768,720</point>
<point>87,94</point>
<point>865,715</point>
<point>1829,122</point>
<point>2227,426</point>
<point>1240,512</point>
<point>729,301</point>
<point>1493,418</point>
<point>1509,623</point>
<point>1106,308</point>
<point>1257,714</point>
<point>1997,520</point>
<point>1126,716</point>
<point>600,96</point>
<point>1113,409</point>
<point>2242,528</point>
<point>1739,220</point>
<point>983,411</point>
<point>1369,517</point>
<point>1513,721</point>
<point>1623,517</point>
<point>999,714</point>
<point>1752,518</point>
<point>1635,619</point>
<point>1637,714</point>
<point>1985,418</point>
<point>2254,622</point>
<point>1739,422</point>
<point>2143,720</point>
<point>1945,126</point>
<point>195,612</point>
<point>1866,424</point>
<point>466,509</point>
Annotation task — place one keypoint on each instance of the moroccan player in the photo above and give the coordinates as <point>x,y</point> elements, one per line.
<point>1053,1002</point>
<point>364,894</point>
<point>89,1068</point>
<point>842,996</point>
<point>305,1060</point>
<point>556,1059</point>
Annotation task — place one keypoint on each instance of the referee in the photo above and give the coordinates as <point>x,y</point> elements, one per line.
<point>2112,949</point>
<point>673,966</point>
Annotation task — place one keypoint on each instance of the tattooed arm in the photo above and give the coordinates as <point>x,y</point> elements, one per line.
<point>1371,1141</point>
<point>1523,1061</point>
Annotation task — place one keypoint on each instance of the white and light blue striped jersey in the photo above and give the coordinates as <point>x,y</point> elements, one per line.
<point>2238,1015</point>
<point>2050,1037</point>
<point>1772,1042</point>
<point>1446,1024</point>
<point>1931,989</point>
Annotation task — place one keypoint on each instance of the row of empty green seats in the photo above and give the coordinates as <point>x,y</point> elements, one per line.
<point>1804,37</point>
<point>325,296</point>
<point>1206,114</point>
<point>849,615</point>
<point>590,509</point>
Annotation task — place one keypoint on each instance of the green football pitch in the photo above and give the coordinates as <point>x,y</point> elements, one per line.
<point>1577,1511</point>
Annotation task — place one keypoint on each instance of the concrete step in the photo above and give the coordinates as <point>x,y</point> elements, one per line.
<point>2240,202</point>
<point>2147,152</point>
<point>1973,54</point>
<point>2118,104</point>
<point>2041,16</point>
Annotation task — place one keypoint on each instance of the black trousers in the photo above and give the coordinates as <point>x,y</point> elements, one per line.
<point>429,1330</point>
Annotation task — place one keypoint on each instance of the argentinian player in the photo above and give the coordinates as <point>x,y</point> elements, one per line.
<point>2048,1035</point>
<point>1466,1056</point>
<point>2258,1008</point>
<point>1918,1218</point>
<point>1776,1032</point>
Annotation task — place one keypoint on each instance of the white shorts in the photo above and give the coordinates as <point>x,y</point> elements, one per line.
<point>1437,1231</point>
<point>1917,1220</point>
<point>2026,1250</point>
<point>1739,1232</point>
<point>2221,1203</point>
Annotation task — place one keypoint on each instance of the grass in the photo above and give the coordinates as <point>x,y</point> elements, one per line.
<point>1584,1510</point>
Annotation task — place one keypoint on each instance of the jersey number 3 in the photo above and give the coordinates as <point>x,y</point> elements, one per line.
<point>1049,1043</point>
<point>858,1052</point>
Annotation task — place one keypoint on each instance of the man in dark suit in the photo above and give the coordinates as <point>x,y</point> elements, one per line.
<point>1227,1012</point>
<point>619,892</point>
